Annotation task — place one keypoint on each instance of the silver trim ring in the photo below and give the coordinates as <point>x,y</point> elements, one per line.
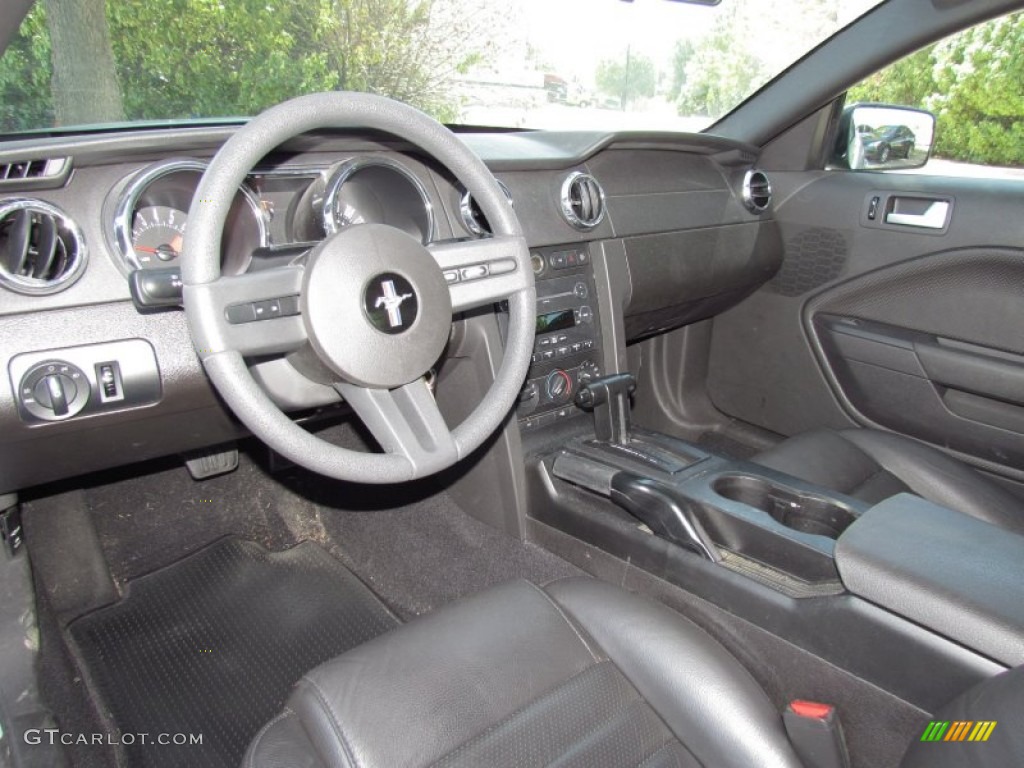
<point>747,193</point>
<point>33,286</point>
<point>347,169</point>
<point>566,204</point>
<point>129,198</point>
<point>466,209</point>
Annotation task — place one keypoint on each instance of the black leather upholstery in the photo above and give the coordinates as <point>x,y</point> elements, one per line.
<point>580,672</point>
<point>999,699</point>
<point>873,466</point>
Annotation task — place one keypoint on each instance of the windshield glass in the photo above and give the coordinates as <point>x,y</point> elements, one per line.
<point>560,64</point>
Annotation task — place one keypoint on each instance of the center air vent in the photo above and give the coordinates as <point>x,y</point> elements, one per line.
<point>757,191</point>
<point>473,217</point>
<point>41,249</point>
<point>582,200</point>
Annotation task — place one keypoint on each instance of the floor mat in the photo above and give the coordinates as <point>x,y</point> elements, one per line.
<point>212,645</point>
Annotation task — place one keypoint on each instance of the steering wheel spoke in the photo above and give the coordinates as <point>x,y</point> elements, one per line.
<point>405,421</point>
<point>485,271</point>
<point>256,313</point>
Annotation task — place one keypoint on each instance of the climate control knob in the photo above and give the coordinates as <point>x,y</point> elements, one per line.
<point>559,386</point>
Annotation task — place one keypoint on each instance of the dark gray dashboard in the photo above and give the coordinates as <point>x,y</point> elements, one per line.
<point>683,243</point>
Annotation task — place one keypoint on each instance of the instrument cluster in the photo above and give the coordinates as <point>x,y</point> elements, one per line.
<point>274,212</point>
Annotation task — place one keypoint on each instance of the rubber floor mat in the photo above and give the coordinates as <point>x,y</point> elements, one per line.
<point>212,645</point>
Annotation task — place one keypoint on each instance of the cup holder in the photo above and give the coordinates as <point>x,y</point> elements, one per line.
<point>800,511</point>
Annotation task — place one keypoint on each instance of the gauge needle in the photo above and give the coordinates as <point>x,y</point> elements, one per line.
<point>145,249</point>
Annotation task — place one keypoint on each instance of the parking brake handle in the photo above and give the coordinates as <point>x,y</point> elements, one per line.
<point>608,398</point>
<point>668,517</point>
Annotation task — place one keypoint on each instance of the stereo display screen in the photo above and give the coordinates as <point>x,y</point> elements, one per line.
<point>555,321</point>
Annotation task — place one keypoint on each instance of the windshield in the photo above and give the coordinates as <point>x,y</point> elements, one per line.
<point>559,64</point>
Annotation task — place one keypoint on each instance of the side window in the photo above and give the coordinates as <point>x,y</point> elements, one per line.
<point>973,82</point>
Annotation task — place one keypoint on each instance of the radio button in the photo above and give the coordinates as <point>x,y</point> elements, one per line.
<point>580,290</point>
<point>585,314</point>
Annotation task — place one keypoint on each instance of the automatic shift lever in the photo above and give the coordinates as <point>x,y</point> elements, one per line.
<point>608,397</point>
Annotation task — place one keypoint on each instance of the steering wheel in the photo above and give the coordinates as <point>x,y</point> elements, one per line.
<point>374,307</point>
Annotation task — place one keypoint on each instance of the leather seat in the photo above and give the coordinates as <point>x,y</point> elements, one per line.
<point>872,466</point>
<point>579,672</point>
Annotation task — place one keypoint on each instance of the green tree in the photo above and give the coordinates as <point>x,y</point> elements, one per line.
<point>681,55</point>
<point>979,96</point>
<point>85,87</point>
<point>177,59</point>
<point>720,72</point>
<point>25,97</point>
<point>910,82</point>
<point>628,79</point>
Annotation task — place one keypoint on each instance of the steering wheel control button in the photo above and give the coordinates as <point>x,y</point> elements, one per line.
<point>502,267</point>
<point>474,272</point>
<point>391,303</point>
<point>451,276</point>
<point>286,306</point>
<point>54,390</point>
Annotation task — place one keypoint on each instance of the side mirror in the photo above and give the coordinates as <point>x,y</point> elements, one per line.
<point>883,137</point>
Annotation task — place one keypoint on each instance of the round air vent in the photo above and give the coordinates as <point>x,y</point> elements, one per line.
<point>473,217</point>
<point>582,200</point>
<point>757,191</point>
<point>41,249</point>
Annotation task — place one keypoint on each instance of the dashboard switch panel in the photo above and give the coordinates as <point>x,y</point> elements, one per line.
<point>61,384</point>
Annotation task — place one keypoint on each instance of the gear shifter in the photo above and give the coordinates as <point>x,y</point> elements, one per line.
<point>608,398</point>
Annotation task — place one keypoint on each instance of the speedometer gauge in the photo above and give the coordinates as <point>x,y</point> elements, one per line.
<point>147,215</point>
<point>157,233</point>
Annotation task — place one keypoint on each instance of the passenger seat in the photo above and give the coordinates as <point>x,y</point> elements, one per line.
<point>871,465</point>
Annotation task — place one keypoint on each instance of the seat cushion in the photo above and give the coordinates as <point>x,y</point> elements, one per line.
<point>578,673</point>
<point>872,466</point>
<point>998,700</point>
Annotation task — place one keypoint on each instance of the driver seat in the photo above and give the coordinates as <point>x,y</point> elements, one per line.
<point>578,673</point>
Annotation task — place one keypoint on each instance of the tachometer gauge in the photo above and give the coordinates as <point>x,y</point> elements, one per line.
<point>157,233</point>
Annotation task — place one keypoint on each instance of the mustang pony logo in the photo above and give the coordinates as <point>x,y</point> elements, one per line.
<point>392,302</point>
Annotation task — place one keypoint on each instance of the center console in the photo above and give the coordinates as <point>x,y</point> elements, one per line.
<point>567,347</point>
<point>790,557</point>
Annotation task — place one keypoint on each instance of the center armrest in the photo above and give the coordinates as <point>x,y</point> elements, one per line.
<point>949,572</point>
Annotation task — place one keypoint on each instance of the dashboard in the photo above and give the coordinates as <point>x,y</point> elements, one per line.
<point>630,235</point>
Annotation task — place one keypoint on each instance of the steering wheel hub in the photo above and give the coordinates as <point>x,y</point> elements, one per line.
<point>376,306</point>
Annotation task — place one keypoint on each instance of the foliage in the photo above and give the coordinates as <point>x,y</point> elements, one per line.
<point>681,55</point>
<point>909,82</point>
<point>207,58</point>
<point>627,79</point>
<point>25,101</point>
<point>973,82</point>
<point>719,72</point>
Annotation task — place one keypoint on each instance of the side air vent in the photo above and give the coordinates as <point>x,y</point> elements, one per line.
<point>41,249</point>
<point>35,173</point>
<point>757,191</point>
<point>473,217</point>
<point>582,201</point>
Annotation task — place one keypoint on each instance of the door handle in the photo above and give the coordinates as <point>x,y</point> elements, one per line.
<point>934,216</point>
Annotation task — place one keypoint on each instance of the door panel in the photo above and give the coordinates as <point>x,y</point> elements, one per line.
<point>875,321</point>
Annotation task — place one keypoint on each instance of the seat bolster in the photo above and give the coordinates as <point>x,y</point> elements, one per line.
<point>708,700</point>
<point>822,457</point>
<point>999,699</point>
<point>283,743</point>
<point>933,475</point>
<point>409,697</point>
